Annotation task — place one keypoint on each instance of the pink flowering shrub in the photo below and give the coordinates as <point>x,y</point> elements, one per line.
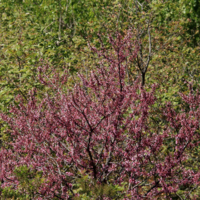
<point>102,129</point>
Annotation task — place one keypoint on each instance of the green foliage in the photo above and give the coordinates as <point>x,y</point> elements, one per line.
<point>191,10</point>
<point>34,33</point>
<point>92,190</point>
<point>30,181</point>
<point>9,193</point>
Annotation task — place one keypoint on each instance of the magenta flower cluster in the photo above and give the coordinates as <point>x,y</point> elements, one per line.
<point>103,127</point>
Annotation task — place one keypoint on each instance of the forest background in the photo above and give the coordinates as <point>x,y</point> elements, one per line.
<point>56,34</point>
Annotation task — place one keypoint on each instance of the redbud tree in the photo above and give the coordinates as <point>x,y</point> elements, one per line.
<point>102,128</point>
